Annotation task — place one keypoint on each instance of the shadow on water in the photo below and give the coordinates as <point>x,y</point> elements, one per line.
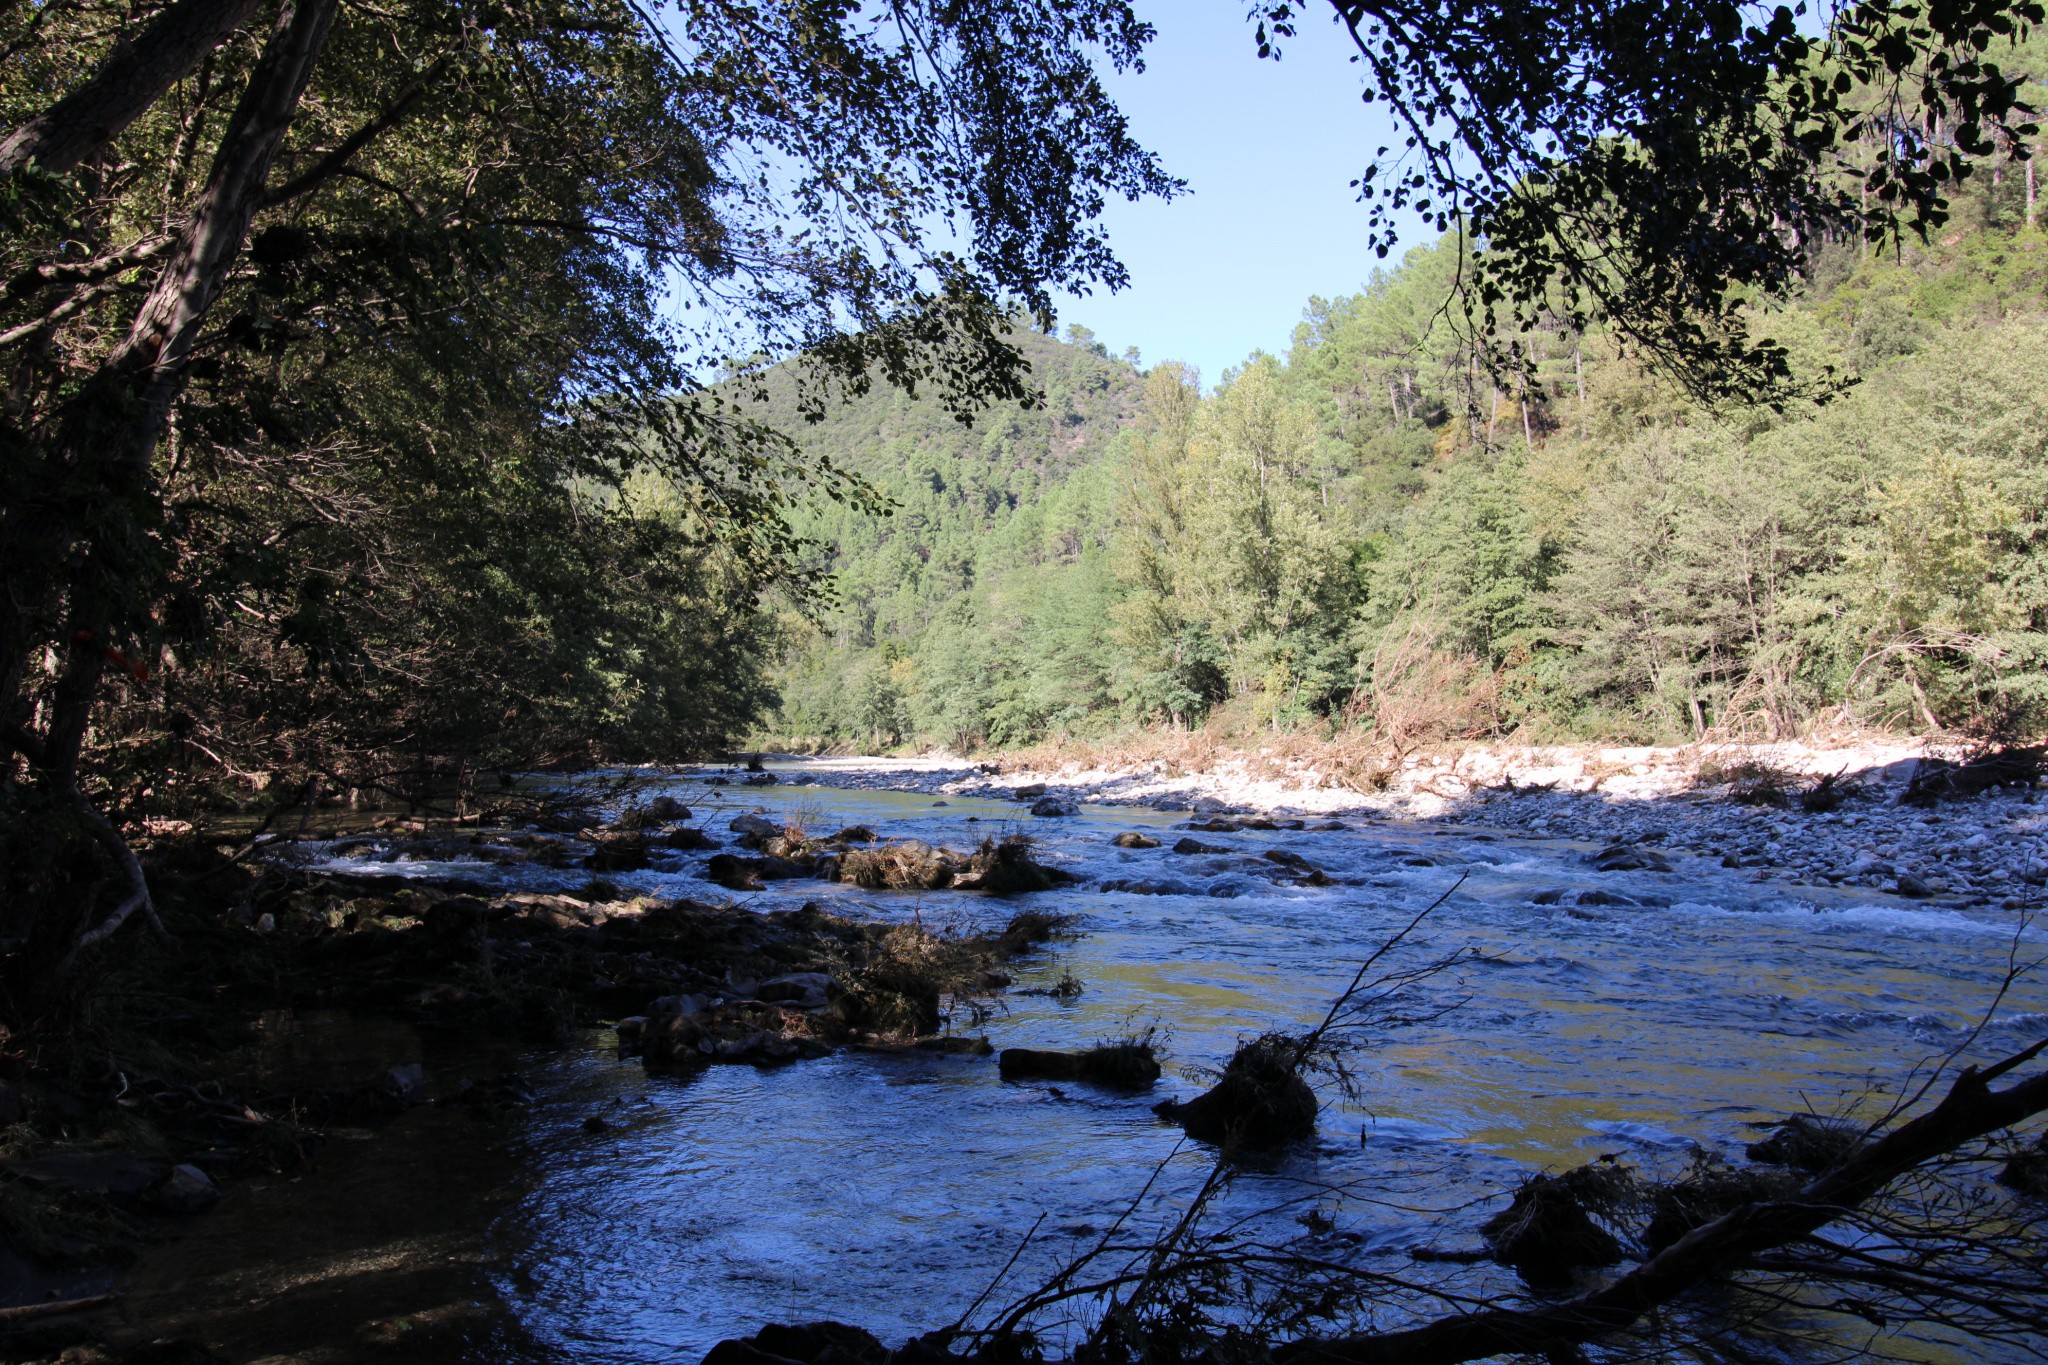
<point>383,1250</point>
<point>887,1190</point>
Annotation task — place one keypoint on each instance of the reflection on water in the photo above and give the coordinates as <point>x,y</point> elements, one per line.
<point>888,1190</point>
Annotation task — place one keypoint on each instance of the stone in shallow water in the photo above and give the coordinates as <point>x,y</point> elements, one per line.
<point>1147,886</point>
<point>187,1189</point>
<point>1120,1066</point>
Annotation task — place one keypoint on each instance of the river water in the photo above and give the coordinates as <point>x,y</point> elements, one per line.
<point>891,1190</point>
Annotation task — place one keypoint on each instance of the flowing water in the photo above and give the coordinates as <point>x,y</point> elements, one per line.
<point>889,1190</point>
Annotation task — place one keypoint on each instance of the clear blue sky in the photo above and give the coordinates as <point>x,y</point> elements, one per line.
<point>1268,150</point>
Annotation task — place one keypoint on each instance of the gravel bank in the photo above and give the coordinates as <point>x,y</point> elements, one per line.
<point>1749,806</point>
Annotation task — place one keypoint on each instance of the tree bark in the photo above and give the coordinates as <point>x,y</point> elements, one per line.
<point>1970,1110</point>
<point>112,432</point>
<point>133,77</point>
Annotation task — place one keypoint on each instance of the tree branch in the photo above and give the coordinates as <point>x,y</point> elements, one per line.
<point>336,161</point>
<point>1970,1110</point>
<point>133,77</point>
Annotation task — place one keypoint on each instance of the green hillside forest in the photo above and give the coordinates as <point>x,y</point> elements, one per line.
<point>1369,535</point>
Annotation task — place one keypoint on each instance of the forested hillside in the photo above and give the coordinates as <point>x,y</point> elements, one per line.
<point>1370,533</point>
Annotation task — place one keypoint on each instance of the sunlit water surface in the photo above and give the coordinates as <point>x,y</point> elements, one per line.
<point>890,1190</point>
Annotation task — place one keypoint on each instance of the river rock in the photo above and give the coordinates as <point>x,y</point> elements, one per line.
<point>1910,885</point>
<point>617,853</point>
<point>1133,839</point>
<point>753,826</point>
<point>665,810</point>
<point>1196,846</point>
<point>736,873</point>
<point>801,990</point>
<point>1028,793</point>
<point>187,1189</point>
<point>1807,1143</point>
<point>1710,1191</point>
<point>1052,806</point>
<point>1549,1231</point>
<point>1151,886</point>
<point>816,1343</point>
<point>1130,1065</point>
<point>1259,1102</point>
<point>2027,1170</point>
<point>405,1084</point>
<point>1623,858</point>
<point>686,837</point>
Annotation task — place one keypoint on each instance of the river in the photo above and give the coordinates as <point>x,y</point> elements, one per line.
<point>890,1190</point>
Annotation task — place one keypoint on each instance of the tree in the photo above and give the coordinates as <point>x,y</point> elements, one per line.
<point>1662,166</point>
<point>288,317</point>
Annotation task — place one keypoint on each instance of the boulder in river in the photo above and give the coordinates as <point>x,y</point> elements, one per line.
<point>747,874</point>
<point>617,853</point>
<point>1131,838</point>
<point>815,1343</point>
<point>1152,886</point>
<point>1029,928</point>
<point>1710,1190</point>
<point>1128,1064</point>
<point>799,990</point>
<point>666,810</point>
<point>187,1189</point>
<point>1624,858</point>
<point>1260,1101</point>
<point>2027,1169</point>
<point>1052,807</point>
<point>753,827</point>
<point>1196,846</point>
<point>1554,1225</point>
<point>1005,867</point>
<point>1808,1143</point>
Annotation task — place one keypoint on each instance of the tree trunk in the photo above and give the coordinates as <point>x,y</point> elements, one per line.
<point>2030,192</point>
<point>134,76</point>
<point>112,432</point>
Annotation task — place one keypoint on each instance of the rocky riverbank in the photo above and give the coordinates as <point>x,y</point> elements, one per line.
<point>1902,816</point>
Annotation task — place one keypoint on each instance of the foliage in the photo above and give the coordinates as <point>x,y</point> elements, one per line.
<point>1659,168</point>
<point>1370,535</point>
<point>354,421</point>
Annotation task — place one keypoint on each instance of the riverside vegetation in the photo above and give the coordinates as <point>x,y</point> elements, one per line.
<point>1367,538</point>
